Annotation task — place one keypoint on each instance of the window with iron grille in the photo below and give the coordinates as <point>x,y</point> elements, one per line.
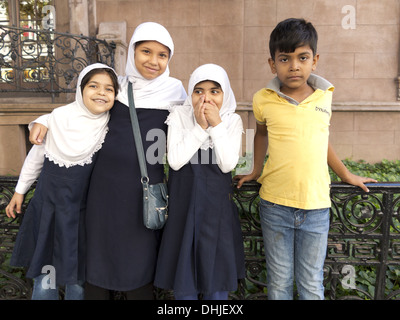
<point>38,60</point>
<point>24,51</point>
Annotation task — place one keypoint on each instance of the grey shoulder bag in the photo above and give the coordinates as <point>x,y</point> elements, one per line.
<point>155,196</point>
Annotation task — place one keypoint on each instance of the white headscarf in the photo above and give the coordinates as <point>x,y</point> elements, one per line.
<point>160,93</point>
<point>184,115</point>
<point>75,133</point>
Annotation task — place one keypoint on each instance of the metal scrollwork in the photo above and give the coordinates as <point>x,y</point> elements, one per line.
<point>358,214</point>
<point>34,60</point>
<point>396,214</point>
<point>363,253</point>
<point>13,284</point>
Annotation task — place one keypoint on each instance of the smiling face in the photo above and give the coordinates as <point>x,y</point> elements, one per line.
<point>294,68</point>
<point>211,91</point>
<point>151,59</point>
<point>98,94</point>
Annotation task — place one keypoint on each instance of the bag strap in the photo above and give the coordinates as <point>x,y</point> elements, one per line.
<point>137,135</point>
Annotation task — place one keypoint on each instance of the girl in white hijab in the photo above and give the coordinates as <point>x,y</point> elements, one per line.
<point>51,231</point>
<point>121,252</point>
<point>201,252</point>
<point>161,92</point>
<point>186,134</point>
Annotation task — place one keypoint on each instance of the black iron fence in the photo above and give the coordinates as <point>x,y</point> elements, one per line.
<point>363,253</point>
<point>45,61</point>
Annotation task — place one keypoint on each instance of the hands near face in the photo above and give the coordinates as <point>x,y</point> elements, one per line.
<point>206,113</point>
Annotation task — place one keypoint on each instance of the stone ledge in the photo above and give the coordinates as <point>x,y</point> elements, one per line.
<point>15,109</point>
<point>366,106</point>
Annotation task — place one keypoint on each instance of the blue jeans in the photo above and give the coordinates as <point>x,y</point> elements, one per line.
<point>72,291</point>
<point>295,243</point>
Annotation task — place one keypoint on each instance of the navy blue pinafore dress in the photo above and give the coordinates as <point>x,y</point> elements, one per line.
<point>121,251</point>
<point>202,246</point>
<point>52,230</point>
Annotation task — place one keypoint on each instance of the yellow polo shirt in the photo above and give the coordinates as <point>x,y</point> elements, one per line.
<point>296,173</point>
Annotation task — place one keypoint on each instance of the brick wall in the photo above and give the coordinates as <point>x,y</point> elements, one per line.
<point>362,62</point>
<point>358,46</point>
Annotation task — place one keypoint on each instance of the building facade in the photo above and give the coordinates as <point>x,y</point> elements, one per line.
<point>359,47</point>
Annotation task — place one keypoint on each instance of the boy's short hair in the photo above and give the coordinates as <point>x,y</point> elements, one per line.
<point>291,34</point>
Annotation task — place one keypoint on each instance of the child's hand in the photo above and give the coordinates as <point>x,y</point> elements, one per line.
<point>199,113</point>
<point>37,133</point>
<point>358,181</point>
<point>211,113</point>
<point>15,205</point>
<point>242,179</point>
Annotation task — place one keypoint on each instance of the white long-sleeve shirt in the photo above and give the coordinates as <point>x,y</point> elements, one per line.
<point>31,169</point>
<point>33,163</point>
<point>182,144</point>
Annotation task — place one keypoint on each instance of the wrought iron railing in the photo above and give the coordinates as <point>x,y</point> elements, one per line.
<point>363,253</point>
<point>38,60</point>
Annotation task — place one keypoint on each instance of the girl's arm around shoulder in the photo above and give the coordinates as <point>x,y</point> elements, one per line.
<point>38,129</point>
<point>227,143</point>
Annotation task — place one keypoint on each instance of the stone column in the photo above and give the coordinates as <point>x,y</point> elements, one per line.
<point>79,17</point>
<point>398,77</point>
<point>115,32</point>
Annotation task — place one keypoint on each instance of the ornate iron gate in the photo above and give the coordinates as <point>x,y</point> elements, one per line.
<point>363,253</point>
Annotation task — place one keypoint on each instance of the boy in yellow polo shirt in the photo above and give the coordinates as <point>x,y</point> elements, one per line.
<point>293,115</point>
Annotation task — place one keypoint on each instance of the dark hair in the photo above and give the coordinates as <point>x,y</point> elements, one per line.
<point>140,42</point>
<point>216,84</point>
<point>91,73</point>
<point>291,34</point>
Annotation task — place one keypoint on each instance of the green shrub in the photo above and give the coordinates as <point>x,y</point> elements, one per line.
<point>384,171</point>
